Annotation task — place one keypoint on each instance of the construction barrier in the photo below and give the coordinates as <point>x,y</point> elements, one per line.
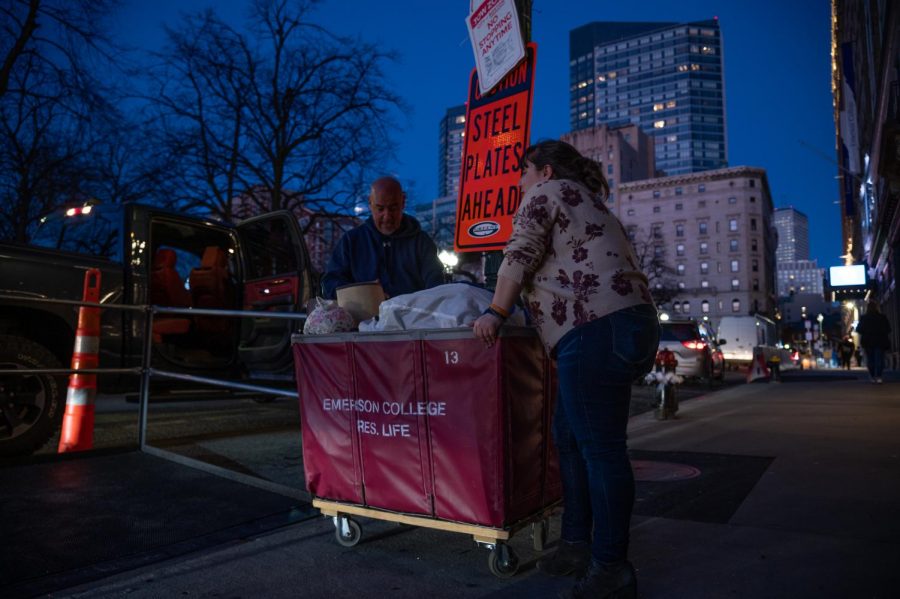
<point>758,367</point>
<point>78,421</point>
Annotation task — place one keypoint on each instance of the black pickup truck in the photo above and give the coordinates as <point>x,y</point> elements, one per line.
<point>145,256</point>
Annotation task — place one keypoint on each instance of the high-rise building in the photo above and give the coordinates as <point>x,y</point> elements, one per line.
<point>799,276</point>
<point>626,153</point>
<point>796,273</point>
<point>705,240</point>
<point>450,149</point>
<point>667,78</point>
<point>793,234</point>
<point>438,220</point>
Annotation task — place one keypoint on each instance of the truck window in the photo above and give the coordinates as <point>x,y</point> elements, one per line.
<point>92,230</point>
<point>673,331</point>
<point>269,249</point>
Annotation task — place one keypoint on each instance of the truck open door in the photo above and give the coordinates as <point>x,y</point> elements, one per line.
<point>278,277</point>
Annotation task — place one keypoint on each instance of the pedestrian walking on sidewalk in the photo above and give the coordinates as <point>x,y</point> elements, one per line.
<point>846,348</point>
<point>874,331</point>
<point>571,259</point>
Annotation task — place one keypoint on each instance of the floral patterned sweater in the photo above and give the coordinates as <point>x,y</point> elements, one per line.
<point>573,258</point>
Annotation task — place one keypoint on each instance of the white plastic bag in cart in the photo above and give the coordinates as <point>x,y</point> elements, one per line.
<point>443,307</point>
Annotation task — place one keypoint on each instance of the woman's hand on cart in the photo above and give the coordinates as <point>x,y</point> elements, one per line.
<point>487,327</point>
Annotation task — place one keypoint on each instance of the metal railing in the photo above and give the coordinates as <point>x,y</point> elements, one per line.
<point>146,372</point>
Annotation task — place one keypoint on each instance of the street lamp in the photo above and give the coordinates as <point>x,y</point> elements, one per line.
<point>449,260</point>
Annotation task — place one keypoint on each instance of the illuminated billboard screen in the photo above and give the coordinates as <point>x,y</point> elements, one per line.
<point>848,276</point>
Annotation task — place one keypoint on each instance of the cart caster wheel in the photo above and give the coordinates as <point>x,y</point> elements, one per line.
<point>502,561</point>
<point>539,534</point>
<point>347,532</point>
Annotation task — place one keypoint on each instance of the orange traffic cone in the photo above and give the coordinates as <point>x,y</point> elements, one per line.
<point>78,420</point>
<point>758,368</point>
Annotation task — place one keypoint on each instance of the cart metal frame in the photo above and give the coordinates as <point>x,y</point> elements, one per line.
<point>502,560</point>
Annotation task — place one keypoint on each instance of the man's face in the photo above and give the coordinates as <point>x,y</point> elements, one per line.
<point>387,209</point>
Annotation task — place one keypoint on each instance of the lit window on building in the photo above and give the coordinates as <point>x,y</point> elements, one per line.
<point>704,284</point>
<point>704,247</point>
<point>704,307</point>
<point>733,245</point>
<point>686,307</point>
<point>658,107</point>
<point>461,119</point>
<point>704,268</point>
<point>702,228</point>
<point>735,284</point>
<point>659,124</point>
<point>670,104</point>
<point>735,266</point>
<point>680,269</point>
<point>681,285</point>
<point>676,307</point>
<point>671,138</point>
<point>732,225</point>
<point>735,305</point>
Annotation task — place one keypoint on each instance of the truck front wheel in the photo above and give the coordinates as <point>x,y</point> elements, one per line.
<point>31,405</point>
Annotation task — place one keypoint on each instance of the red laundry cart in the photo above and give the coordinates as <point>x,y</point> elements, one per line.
<point>430,428</point>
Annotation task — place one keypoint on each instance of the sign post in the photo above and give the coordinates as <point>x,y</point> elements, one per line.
<point>497,134</point>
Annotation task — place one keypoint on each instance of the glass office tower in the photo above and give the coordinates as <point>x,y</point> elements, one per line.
<point>450,148</point>
<point>667,78</point>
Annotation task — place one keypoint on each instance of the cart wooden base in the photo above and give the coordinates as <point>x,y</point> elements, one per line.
<point>502,560</point>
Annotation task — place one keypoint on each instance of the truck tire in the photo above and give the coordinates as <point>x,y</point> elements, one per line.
<point>31,405</point>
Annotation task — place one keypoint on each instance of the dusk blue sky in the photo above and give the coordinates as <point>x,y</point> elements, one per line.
<point>777,80</point>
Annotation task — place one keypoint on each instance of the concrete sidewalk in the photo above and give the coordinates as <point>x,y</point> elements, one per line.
<point>822,519</point>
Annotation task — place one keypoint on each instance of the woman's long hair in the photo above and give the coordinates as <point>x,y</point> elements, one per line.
<point>567,163</point>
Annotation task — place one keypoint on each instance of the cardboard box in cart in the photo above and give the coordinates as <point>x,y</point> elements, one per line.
<point>431,428</point>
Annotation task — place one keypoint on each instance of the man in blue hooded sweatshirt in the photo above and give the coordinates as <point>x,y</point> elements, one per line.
<point>389,247</point>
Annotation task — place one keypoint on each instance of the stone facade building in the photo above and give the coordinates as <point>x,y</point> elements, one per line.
<point>626,153</point>
<point>713,233</point>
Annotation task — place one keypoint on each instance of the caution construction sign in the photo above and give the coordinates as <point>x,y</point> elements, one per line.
<point>497,132</point>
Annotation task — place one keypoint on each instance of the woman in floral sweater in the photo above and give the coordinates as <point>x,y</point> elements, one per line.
<point>570,259</point>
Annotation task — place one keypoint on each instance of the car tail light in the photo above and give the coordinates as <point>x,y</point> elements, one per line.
<point>694,344</point>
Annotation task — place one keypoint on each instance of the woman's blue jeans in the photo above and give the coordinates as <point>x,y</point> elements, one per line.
<point>874,361</point>
<point>596,364</point>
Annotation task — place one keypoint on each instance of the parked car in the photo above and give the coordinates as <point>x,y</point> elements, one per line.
<point>145,256</point>
<point>695,347</point>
